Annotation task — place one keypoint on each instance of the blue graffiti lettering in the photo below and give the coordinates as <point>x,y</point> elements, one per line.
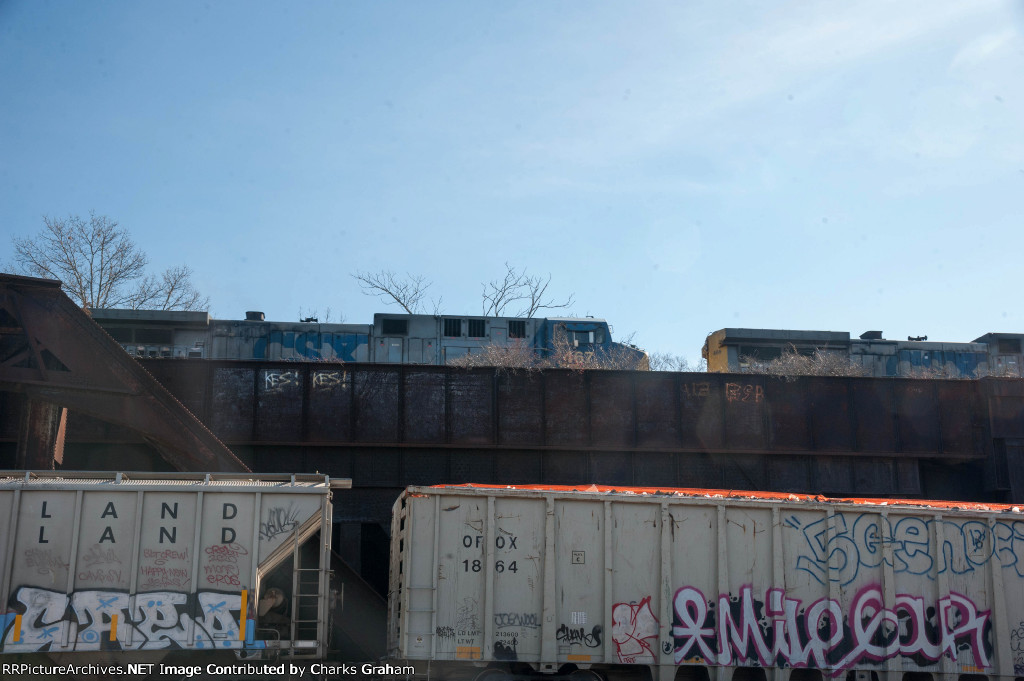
<point>858,540</point>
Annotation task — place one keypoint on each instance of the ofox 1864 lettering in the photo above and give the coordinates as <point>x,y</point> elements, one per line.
<point>500,542</point>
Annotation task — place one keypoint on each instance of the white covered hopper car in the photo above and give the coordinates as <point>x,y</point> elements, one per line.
<point>139,564</point>
<point>592,583</point>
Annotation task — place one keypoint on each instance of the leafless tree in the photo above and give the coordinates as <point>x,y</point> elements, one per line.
<point>172,291</point>
<point>513,356</point>
<point>516,286</point>
<point>1005,371</point>
<point>101,267</point>
<point>822,362</point>
<point>407,291</point>
<point>563,354</point>
<point>497,295</point>
<point>534,289</point>
<point>519,287</point>
<point>666,361</point>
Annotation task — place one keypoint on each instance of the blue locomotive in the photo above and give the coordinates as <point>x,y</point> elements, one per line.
<point>390,339</point>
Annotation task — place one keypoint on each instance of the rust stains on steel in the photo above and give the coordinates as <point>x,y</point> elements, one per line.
<point>52,351</point>
<point>407,406</point>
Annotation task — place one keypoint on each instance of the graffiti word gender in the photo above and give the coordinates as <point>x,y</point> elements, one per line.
<point>575,636</point>
<point>529,620</point>
<point>279,521</point>
<point>157,620</point>
<point>820,636</point>
<point>859,540</point>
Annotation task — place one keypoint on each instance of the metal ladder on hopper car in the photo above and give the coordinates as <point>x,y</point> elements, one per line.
<point>431,589</point>
<point>308,619</point>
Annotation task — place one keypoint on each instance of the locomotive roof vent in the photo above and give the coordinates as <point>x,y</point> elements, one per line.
<point>871,335</point>
<point>254,316</point>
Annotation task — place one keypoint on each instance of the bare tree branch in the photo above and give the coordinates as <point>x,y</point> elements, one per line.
<point>667,361</point>
<point>534,290</point>
<point>498,294</point>
<point>518,286</point>
<point>822,362</point>
<point>172,291</point>
<point>406,291</point>
<point>101,267</point>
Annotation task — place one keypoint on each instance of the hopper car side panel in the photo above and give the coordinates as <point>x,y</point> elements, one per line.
<point>554,580</point>
<point>145,562</point>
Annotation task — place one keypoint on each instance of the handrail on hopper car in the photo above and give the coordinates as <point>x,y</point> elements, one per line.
<point>128,477</point>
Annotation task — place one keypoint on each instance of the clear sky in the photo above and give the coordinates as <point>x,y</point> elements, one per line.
<point>680,166</point>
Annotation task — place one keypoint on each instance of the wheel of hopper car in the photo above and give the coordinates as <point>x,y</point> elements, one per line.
<point>585,675</point>
<point>492,674</point>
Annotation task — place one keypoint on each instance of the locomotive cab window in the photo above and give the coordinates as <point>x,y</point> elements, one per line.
<point>583,337</point>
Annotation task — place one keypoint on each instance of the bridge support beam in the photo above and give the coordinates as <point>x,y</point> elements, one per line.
<point>40,435</point>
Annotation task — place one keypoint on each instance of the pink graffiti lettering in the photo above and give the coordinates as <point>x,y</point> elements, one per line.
<point>161,557</point>
<point>688,630</point>
<point>739,632</point>
<point>222,574</point>
<point>157,576</point>
<point>225,553</point>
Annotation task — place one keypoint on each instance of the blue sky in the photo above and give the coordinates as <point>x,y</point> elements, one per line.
<point>679,166</point>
